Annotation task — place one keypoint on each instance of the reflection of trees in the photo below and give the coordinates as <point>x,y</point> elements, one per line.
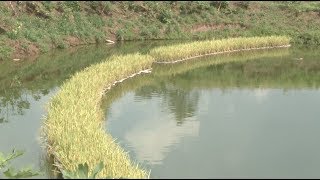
<point>16,97</point>
<point>181,102</point>
<point>271,73</point>
<point>50,70</point>
<point>174,83</point>
<point>276,68</point>
<point>13,102</point>
<point>271,68</point>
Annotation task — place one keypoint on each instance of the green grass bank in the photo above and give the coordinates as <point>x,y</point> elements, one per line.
<point>73,129</point>
<point>28,28</point>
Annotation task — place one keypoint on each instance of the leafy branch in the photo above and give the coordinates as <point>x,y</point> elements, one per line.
<point>11,172</point>
<point>83,172</point>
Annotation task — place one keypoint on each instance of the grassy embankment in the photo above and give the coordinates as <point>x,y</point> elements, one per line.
<point>73,127</point>
<point>29,28</point>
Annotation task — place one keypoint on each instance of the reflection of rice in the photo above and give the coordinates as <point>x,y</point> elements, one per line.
<point>151,141</point>
<point>229,51</point>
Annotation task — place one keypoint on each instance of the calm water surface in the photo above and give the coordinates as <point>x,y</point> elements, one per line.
<point>251,119</point>
<point>254,118</point>
<point>27,86</point>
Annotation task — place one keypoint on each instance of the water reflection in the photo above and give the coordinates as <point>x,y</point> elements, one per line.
<point>22,132</point>
<point>182,103</point>
<point>26,87</point>
<point>155,133</point>
<point>50,70</point>
<point>15,101</point>
<point>206,119</point>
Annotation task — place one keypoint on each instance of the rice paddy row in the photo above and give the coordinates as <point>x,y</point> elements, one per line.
<point>181,52</point>
<point>169,69</point>
<point>74,124</point>
<point>73,129</point>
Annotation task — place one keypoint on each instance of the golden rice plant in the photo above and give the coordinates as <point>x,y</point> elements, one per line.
<point>199,48</point>
<point>73,127</point>
<point>184,66</point>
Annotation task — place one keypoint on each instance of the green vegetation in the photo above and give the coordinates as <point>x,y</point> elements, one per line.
<point>280,73</point>
<point>241,56</point>
<point>73,127</point>
<point>83,172</point>
<point>28,28</point>
<point>11,172</point>
<point>194,49</point>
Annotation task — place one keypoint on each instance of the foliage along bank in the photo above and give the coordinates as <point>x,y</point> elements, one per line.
<point>28,28</point>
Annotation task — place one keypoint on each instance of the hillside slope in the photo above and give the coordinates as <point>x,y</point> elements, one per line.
<point>33,27</point>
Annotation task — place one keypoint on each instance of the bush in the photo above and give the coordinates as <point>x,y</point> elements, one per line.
<point>201,5</point>
<point>48,5</point>
<point>308,38</point>
<point>12,35</point>
<point>96,21</point>
<point>11,172</point>
<point>194,7</point>
<point>243,4</point>
<point>124,34</point>
<point>5,51</point>
<point>145,33</point>
<point>30,35</point>
<point>107,7</point>
<point>220,4</point>
<point>73,5</point>
<point>165,16</point>
<point>99,37</point>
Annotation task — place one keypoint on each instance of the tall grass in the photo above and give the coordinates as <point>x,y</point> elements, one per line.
<point>194,49</point>
<point>74,124</point>
<point>178,68</point>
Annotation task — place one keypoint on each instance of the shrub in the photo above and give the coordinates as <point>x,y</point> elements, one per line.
<point>5,51</point>
<point>73,5</point>
<point>165,16</point>
<point>220,4</point>
<point>11,172</point>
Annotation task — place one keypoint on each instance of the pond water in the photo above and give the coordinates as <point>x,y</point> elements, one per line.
<point>257,117</point>
<point>253,118</point>
<point>27,86</point>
